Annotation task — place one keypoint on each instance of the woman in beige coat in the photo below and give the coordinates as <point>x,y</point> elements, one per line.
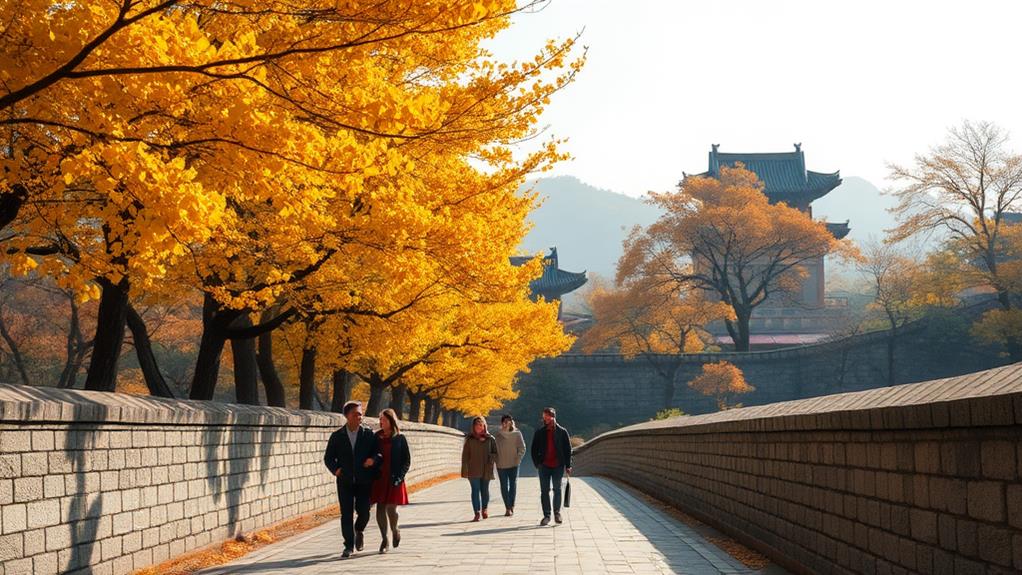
<point>510,451</point>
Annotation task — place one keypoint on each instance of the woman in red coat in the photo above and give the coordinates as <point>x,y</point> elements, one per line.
<point>389,488</point>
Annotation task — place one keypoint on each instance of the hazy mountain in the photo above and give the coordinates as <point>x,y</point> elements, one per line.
<point>862,204</point>
<point>585,223</point>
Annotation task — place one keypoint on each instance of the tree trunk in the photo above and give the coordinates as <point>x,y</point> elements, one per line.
<point>19,361</point>
<point>272,384</point>
<point>376,389</point>
<point>344,381</point>
<point>211,346</point>
<point>246,370</point>
<point>741,333</point>
<point>415,406</point>
<point>146,359</point>
<point>110,323</point>
<point>397,399</point>
<point>76,348</point>
<point>307,379</point>
<point>432,405</point>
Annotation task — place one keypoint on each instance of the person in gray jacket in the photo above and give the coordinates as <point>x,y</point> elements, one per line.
<point>510,451</point>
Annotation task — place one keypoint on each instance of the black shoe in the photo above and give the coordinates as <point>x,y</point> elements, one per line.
<point>397,539</point>
<point>384,547</point>
<point>545,521</point>
<point>359,540</point>
<point>557,518</point>
<point>347,553</point>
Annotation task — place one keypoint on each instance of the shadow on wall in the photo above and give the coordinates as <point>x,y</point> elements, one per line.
<point>80,443</point>
<point>228,478</point>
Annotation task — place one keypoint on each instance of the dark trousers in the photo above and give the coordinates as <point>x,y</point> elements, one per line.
<point>353,499</point>
<point>548,475</point>
<point>508,478</point>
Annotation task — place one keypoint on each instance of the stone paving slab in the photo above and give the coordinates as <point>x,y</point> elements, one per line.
<point>606,530</point>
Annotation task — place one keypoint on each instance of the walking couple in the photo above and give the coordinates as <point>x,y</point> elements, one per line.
<point>551,453</point>
<point>370,469</point>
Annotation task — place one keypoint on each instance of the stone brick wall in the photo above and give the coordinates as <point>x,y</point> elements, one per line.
<point>107,484</point>
<point>620,391</point>
<point>920,478</point>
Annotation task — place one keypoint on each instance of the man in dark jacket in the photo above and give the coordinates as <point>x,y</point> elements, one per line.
<point>551,452</point>
<point>352,455</point>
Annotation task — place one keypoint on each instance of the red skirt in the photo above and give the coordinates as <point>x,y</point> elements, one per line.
<point>384,491</point>
<point>387,493</point>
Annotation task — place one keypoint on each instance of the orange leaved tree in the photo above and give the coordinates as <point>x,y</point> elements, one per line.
<point>723,237</point>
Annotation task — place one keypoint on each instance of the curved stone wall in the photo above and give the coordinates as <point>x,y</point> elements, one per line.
<point>919,478</point>
<point>109,483</point>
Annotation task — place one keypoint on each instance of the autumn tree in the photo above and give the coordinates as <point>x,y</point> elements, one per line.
<point>242,149</point>
<point>721,236</point>
<point>722,381</point>
<point>648,318</point>
<point>966,187</point>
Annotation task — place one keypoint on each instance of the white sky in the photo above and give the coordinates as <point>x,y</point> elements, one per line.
<point>858,83</point>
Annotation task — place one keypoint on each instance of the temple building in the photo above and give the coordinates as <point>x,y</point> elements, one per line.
<point>554,282</point>
<point>786,179</point>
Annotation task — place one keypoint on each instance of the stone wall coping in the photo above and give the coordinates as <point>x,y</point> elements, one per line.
<point>21,404</point>
<point>985,398</point>
<point>752,356</point>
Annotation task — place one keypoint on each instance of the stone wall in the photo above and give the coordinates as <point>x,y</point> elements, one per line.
<point>105,483</point>
<point>614,390</point>
<point>920,478</point>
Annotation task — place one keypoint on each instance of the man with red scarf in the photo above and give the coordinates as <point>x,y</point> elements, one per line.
<point>551,452</point>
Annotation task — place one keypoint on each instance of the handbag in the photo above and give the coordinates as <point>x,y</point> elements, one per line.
<point>567,492</point>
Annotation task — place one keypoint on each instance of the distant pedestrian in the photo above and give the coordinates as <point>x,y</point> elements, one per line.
<point>389,489</point>
<point>510,451</point>
<point>477,458</point>
<point>551,452</point>
<point>352,456</point>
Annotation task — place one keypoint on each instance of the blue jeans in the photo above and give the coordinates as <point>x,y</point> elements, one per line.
<point>508,485</point>
<point>480,493</point>
<point>547,476</point>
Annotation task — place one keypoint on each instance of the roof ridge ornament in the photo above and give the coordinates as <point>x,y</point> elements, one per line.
<point>798,147</point>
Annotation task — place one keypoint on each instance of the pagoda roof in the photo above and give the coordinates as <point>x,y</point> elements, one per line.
<point>784,174</point>
<point>838,229</point>
<point>554,282</point>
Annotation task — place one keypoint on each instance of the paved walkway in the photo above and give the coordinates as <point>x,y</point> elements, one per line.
<point>606,530</point>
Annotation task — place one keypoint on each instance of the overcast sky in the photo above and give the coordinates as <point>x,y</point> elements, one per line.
<point>859,83</point>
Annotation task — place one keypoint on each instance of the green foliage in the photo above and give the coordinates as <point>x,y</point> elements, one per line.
<point>667,414</point>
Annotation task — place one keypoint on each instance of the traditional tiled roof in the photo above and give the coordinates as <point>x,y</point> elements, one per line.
<point>554,282</point>
<point>838,229</point>
<point>784,174</point>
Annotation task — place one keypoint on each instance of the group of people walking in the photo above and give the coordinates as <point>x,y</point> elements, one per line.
<point>370,468</point>
<point>483,452</point>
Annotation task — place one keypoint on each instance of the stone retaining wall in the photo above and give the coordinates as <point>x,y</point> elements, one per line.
<point>919,478</point>
<point>106,484</point>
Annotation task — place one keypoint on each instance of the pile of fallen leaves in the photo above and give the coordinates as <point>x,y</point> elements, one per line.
<point>244,544</point>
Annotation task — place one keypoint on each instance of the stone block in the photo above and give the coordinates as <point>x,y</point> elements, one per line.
<point>998,460</point>
<point>53,486</point>
<point>15,517</point>
<point>15,441</point>
<point>995,545</point>
<point>42,440</point>
<point>924,526</point>
<point>10,466</point>
<point>28,489</point>
<point>58,537</point>
<point>45,564</point>
<point>35,542</point>
<point>43,513</point>
<point>11,547</point>
<point>122,523</point>
<point>968,537</point>
<point>986,500</point>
